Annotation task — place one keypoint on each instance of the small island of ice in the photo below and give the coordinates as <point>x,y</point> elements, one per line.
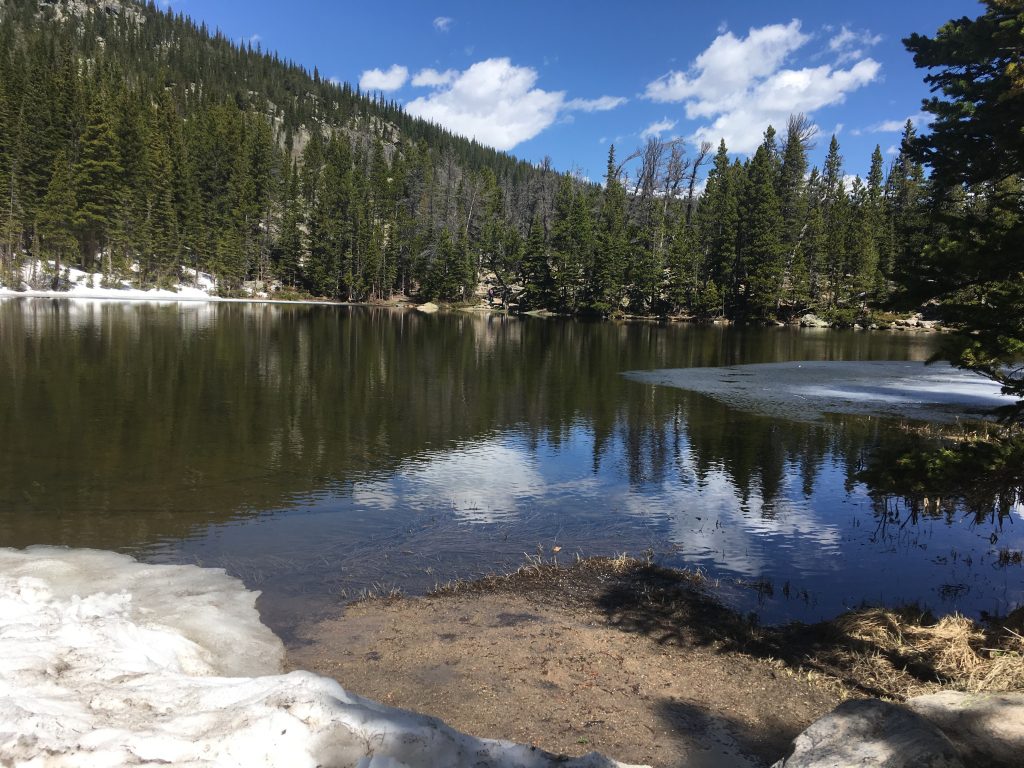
<point>810,389</point>
<point>105,661</point>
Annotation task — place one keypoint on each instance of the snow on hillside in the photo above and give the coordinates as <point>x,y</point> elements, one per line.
<point>107,661</point>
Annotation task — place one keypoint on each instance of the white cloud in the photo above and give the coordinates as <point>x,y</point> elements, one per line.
<point>384,80</point>
<point>600,104</point>
<point>849,45</point>
<point>494,102</point>
<point>443,23</point>
<point>742,86</point>
<point>657,128</point>
<point>431,78</point>
<point>728,67</point>
<point>894,126</point>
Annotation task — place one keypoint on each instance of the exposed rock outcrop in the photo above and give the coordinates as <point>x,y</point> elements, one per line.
<point>872,733</point>
<point>987,728</point>
<point>813,321</point>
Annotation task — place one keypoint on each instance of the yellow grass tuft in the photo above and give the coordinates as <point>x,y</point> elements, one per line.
<point>958,651</point>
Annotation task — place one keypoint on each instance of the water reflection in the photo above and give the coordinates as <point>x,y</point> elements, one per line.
<point>317,450</point>
<point>484,482</point>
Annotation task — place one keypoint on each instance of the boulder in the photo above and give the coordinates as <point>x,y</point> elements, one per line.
<point>428,309</point>
<point>987,728</point>
<point>868,732</point>
<point>813,321</point>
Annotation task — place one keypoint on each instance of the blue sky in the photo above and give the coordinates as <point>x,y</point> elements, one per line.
<point>565,79</point>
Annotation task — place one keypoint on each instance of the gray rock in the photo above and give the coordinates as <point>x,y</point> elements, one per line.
<point>987,728</point>
<point>813,321</point>
<point>872,733</point>
<point>428,309</point>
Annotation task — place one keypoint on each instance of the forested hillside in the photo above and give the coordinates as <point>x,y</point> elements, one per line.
<point>140,144</point>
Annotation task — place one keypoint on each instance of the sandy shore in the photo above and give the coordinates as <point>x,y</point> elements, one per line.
<point>639,662</point>
<point>572,660</point>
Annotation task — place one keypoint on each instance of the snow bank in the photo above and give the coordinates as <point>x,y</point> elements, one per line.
<point>808,390</point>
<point>88,285</point>
<point>105,661</point>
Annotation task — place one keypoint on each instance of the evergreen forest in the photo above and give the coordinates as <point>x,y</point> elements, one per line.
<point>138,144</point>
<point>143,146</point>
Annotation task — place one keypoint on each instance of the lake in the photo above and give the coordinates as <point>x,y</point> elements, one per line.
<point>318,452</point>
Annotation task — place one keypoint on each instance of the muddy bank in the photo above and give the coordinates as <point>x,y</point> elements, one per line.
<point>573,660</point>
<point>635,661</point>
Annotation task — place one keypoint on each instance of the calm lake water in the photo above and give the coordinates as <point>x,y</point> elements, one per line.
<point>318,451</point>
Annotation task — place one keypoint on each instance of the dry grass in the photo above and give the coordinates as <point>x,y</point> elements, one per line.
<point>552,570</point>
<point>896,649</point>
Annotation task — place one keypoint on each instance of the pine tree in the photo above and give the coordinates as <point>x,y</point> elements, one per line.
<point>862,256</point>
<point>450,270</point>
<point>761,249</point>
<point>40,133</point>
<point>159,245</point>
<point>907,197</point>
<point>872,278</point>
<point>794,204</point>
<point>499,244</point>
<point>718,222</point>
<point>567,257</point>
<point>835,213</point>
<point>645,270</point>
<point>605,290</point>
<point>816,255</point>
<point>974,146</point>
<point>55,217</point>
<point>98,175</point>
<point>330,229</point>
<point>10,140</point>
<point>686,283</point>
<point>289,250</point>
<point>536,270</point>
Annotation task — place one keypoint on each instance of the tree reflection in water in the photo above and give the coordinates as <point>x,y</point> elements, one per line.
<point>308,448</point>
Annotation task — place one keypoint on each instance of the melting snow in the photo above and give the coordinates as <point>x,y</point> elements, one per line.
<point>802,390</point>
<point>87,285</point>
<point>106,661</point>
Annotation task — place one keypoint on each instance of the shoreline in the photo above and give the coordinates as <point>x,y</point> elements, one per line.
<point>640,662</point>
<point>169,297</point>
<point>156,295</point>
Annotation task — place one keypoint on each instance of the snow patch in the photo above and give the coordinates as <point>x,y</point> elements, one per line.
<point>107,661</point>
<point>89,285</point>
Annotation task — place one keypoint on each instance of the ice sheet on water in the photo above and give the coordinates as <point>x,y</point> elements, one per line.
<point>808,390</point>
<point>106,661</point>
